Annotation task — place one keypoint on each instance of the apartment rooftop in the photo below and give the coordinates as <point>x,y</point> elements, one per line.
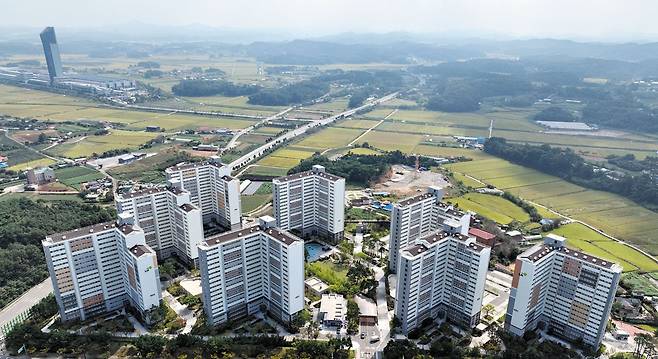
<point>537,253</point>
<point>282,236</point>
<point>305,174</point>
<point>425,243</point>
<point>81,232</point>
<point>139,250</point>
<point>142,192</point>
<point>190,165</point>
<point>415,199</point>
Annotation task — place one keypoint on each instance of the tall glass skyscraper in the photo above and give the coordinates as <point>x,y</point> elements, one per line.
<point>51,50</point>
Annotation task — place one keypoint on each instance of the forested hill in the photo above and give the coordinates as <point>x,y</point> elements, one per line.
<point>564,163</point>
<point>24,223</point>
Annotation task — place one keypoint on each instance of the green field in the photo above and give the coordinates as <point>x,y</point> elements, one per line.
<point>117,139</point>
<point>361,124</point>
<point>466,180</point>
<point>281,160</point>
<point>45,197</point>
<point>391,141</point>
<point>495,208</point>
<point>75,176</point>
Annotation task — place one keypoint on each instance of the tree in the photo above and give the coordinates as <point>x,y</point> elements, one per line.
<point>42,138</point>
<point>401,349</point>
<point>488,309</point>
<point>150,345</point>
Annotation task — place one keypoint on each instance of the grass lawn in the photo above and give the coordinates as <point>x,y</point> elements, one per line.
<point>45,197</point>
<point>117,139</point>
<point>493,207</point>
<point>251,202</point>
<point>328,272</point>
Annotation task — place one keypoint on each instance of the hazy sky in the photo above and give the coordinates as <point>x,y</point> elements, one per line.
<point>579,19</point>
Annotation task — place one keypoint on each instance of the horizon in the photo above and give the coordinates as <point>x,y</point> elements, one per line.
<point>507,19</point>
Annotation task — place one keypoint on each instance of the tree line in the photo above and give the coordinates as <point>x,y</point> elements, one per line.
<point>566,164</point>
<point>24,223</point>
<point>199,88</point>
<point>361,169</point>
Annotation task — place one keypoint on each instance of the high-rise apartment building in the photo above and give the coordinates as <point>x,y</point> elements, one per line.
<point>212,189</point>
<point>51,51</point>
<point>311,202</point>
<point>97,269</point>
<point>441,274</point>
<point>171,223</point>
<point>247,269</point>
<point>568,292</point>
<point>417,216</point>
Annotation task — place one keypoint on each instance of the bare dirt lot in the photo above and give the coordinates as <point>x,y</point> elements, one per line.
<point>405,181</point>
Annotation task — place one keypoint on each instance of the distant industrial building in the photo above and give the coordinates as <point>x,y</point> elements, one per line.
<point>312,202</point>
<point>51,51</point>
<point>567,292</point>
<point>417,216</point>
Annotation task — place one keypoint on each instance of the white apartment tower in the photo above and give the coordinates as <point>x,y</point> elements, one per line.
<point>312,202</point>
<point>568,292</point>
<point>250,268</point>
<point>97,269</point>
<point>212,189</point>
<point>441,273</point>
<point>420,215</point>
<point>171,223</point>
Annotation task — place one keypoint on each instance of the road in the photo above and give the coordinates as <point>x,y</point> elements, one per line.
<point>25,301</point>
<point>260,151</point>
<point>244,131</point>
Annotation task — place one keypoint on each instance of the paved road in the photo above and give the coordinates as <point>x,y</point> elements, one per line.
<point>25,301</point>
<point>234,139</point>
<point>260,151</point>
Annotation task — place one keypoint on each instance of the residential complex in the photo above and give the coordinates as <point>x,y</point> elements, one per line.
<point>212,189</point>
<point>171,223</point>
<point>311,202</point>
<point>51,51</point>
<point>568,292</point>
<point>250,268</point>
<point>417,216</point>
<point>100,268</point>
<point>442,274</point>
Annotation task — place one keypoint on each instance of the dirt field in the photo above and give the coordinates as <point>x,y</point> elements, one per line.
<point>405,181</point>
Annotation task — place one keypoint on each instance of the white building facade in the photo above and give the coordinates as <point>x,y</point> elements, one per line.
<point>311,202</point>
<point>251,269</point>
<point>212,189</point>
<point>442,274</point>
<point>567,292</point>
<point>101,268</point>
<point>418,216</point>
<point>171,223</point>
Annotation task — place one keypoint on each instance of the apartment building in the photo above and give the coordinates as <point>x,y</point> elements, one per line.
<point>441,274</point>
<point>311,202</point>
<point>212,189</point>
<point>568,292</point>
<point>101,268</point>
<point>245,270</point>
<point>171,223</point>
<point>420,215</point>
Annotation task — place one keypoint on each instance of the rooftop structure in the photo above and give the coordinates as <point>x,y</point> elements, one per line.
<point>333,310</point>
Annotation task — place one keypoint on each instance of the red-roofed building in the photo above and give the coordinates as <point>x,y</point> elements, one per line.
<point>483,237</point>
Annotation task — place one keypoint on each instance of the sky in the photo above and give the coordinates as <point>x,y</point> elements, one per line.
<point>600,20</point>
